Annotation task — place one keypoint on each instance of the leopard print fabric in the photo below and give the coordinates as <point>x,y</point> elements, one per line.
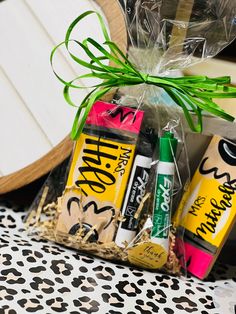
<point>37,276</point>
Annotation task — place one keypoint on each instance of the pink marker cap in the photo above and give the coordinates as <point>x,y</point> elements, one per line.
<point>198,262</point>
<point>113,116</point>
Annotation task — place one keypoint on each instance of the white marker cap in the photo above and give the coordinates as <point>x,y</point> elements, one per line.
<point>124,235</point>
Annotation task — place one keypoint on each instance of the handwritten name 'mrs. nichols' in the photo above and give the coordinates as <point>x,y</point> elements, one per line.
<point>218,207</point>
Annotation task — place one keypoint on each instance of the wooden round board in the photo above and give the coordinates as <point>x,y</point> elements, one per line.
<point>58,153</point>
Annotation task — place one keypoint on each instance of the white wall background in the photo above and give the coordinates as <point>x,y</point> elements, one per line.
<point>34,116</point>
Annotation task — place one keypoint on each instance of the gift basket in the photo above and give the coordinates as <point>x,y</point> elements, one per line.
<point>125,194</point>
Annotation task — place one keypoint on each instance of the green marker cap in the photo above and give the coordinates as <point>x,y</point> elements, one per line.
<point>168,146</point>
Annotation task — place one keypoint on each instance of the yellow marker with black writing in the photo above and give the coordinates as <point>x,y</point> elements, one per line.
<point>100,170</point>
<point>208,209</point>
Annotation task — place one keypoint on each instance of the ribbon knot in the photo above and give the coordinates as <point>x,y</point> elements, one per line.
<point>145,77</point>
<point>192,93</point>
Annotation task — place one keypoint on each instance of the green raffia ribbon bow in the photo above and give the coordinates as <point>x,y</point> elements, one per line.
<point>192,93</point>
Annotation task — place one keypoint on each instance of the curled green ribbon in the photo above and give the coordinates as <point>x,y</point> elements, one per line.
<point>192,93</point>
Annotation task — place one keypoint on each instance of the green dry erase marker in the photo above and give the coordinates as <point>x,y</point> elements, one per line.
<point>164,190</point>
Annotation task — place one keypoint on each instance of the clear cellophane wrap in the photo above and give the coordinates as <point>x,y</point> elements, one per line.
<point>164,38</point>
